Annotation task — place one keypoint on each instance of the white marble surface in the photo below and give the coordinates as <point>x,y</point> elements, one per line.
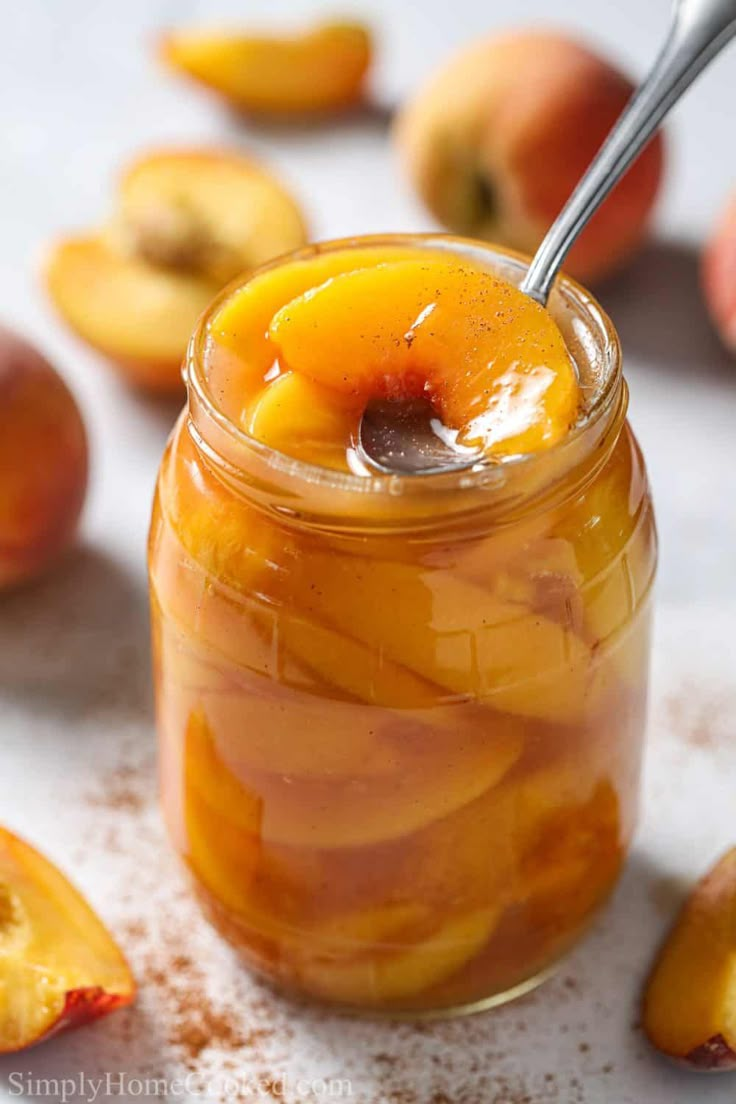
<point>80,93</point>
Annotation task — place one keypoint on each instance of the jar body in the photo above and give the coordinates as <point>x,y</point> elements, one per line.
<point>401,766</point>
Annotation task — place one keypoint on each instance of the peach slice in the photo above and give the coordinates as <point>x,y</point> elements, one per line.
<point>609,527</point>
<point>221,819</point>
<point>268,728</point>
<point>59,965</point>
<point>188,221</point>
<point>440,777</point>
<point>399,972</point>
<point>495,155</point>
<point>493,360</point>
<point>511,654</point>
<point>206,772</point>
<point>299,417</point>
<point>242,353</point>
<point>43,462</point>
<point>319,70</point>
<point>690,997</point>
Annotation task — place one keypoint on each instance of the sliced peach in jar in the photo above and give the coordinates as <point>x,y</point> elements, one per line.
<point>361,648</point>
<point>241,351</point>
<point>464,861</point>
<point>572,854</point>
<point>59,965</point>
<point>302,419</point>
<point>448,766</point>
<point>271,727</point>
<point>318,70</point>
<point>272,639</point>
<point>507,653</point>
<point>206,771</point>
<point>609,528</point>
<point>221,855</point>
<point>690,997</point>
<point>388,976</point>
<point>492,360</point>
<point>221,819</point>
<point>230,540</point>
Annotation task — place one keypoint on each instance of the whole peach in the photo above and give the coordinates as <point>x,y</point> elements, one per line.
<point>43,462</point>
<point>500,136</point>
<point>719,276</point>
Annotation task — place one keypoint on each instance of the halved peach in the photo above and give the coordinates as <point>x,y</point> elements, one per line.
<point>492,360</point>
<point>207,211</point>
<point>319,70</point>
<point>140,317</point>
<point>59,965</point>
<point>690,997</point>
<point>188,221</point>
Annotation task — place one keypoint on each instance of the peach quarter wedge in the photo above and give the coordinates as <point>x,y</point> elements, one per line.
<point>319,70</point>
<point>690,997</point>
<point>187,221</point>
<point>59,965</point>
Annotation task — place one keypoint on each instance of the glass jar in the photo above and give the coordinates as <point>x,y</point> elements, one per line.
<point>401,719</point>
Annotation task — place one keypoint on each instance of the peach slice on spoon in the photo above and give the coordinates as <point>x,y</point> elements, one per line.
<point>491,360</point>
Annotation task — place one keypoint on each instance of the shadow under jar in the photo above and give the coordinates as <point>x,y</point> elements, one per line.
<point>401,719</point>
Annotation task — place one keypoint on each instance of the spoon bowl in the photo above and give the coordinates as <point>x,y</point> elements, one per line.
<point>405,436</point>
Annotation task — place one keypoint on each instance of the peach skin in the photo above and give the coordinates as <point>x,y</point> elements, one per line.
<point>690,998</point>
<point>319,70</point>
<point>59,965</point>
<point>43,462</point>
<point>719,276</point>
<point>187,222</point>
<point>498,138</point>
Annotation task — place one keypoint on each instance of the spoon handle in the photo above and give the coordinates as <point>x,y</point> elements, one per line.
<point>700,29</point>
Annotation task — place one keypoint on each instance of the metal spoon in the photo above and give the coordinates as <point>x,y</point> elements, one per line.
<point>398,437</point>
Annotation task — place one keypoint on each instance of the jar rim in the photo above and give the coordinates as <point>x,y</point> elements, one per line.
<point>567,294</point>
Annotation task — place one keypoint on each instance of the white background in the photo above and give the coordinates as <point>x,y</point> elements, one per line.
<point>80,92</point>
